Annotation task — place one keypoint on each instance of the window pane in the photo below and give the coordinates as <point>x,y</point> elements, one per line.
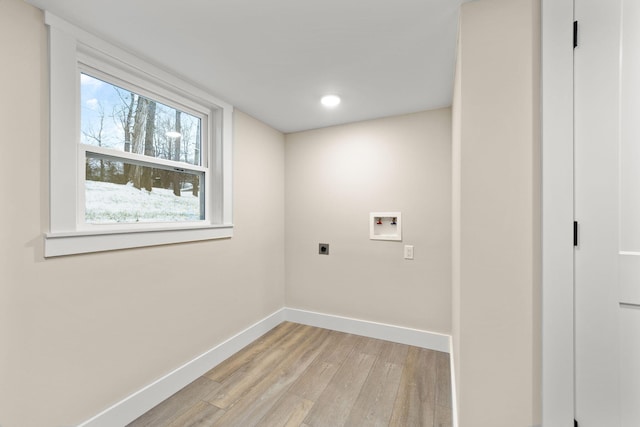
<point>120,192</point>
<point>116,118</point>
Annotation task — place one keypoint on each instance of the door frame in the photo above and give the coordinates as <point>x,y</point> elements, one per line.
<point>557,214</point>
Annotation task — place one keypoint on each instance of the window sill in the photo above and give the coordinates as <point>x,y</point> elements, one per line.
<point>59,244</point>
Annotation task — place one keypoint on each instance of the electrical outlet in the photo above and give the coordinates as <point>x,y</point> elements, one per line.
<point>408,251</point>
<point>323,249</point>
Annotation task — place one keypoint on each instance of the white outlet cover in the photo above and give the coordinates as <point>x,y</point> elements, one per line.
<point>408,251</point>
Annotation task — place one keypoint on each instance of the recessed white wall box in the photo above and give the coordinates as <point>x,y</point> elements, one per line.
<point>385,226</point>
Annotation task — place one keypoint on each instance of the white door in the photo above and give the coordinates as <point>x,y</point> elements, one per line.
<point>607,207</point>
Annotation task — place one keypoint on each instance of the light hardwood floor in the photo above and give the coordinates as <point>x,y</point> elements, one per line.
<point>302,376</point>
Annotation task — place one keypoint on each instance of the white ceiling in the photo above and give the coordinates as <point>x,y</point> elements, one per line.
<point>274,59</point>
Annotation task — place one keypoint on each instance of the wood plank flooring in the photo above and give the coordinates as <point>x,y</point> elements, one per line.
<point>302,376</point>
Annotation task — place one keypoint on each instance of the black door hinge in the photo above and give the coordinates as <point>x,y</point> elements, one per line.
<point>575,34</point>
<point>575,233</point>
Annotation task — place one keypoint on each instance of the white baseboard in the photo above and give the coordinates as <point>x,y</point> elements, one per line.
<point>143,400</point>
<point>382,331</point>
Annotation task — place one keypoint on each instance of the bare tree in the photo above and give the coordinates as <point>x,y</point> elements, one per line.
<point>124,114</point>
<point>176,155</point>
<point>96,136</point>
<point>148,143</point>
<point>196,161</point>
<point>137,135</point>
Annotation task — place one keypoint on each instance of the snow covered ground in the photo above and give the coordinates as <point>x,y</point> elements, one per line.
<point>114,203</point>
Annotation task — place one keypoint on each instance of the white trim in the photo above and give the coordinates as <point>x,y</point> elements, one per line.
<point>139,159</point>
<point>62,127</point>
<point>59,244</point>
<point>131,407</point>
<point>454,395</point>
<point>557,213</point>
<point>381,331</point>
<point>141,401</point>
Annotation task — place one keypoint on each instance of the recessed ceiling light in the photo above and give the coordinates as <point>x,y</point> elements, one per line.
<point>173,134</point>
<point>330,101</point>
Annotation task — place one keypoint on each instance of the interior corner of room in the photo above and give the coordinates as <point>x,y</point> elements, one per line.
<point>110,334</point>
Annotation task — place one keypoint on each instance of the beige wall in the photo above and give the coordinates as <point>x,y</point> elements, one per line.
<point>496,285</point>
<point>79,333</point>
<point>334,178</point>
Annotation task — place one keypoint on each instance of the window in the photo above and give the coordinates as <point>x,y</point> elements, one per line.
<point>138,157</point>
<point>143,158</point>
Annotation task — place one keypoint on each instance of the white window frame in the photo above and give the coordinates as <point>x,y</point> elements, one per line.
<point>72,50</point>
